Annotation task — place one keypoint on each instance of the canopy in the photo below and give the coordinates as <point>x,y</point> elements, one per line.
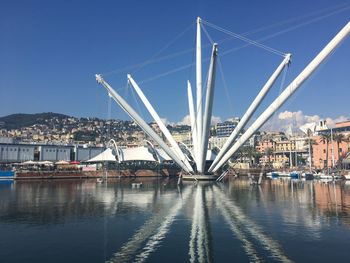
<point>29,163</point>
<point>62,162</point>
<point>129,154</point>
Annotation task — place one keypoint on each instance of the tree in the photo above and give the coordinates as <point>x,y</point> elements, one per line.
<point>339,138</point>
<point>250,153</point>
<point>325,138</point>
<point>268,153</point>
<point>310,143</point>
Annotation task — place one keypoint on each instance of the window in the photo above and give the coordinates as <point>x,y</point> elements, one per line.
<point>324,151</point>
<point>340,150</point>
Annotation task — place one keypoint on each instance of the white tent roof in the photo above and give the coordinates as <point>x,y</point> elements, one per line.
<point>128,154</point>
<point>137,154</point>
<point>105,156</point>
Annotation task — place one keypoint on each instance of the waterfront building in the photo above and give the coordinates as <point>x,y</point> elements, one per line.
<point>19,152</point>
<point>184,137</point>
<point>217,142</point>
<point>327,152</point>
<point>55,153</point>
<point>224,129</point>
<point>86,153</point>
<point>16,152</point>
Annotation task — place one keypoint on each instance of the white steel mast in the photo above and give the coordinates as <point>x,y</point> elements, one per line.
<point>160,123</point>
<point>144,126</point>
<point>252,108</point>
<point>292,87</point>
<point>208,108</point>
<point>192,119</point>
<point>199,116</point>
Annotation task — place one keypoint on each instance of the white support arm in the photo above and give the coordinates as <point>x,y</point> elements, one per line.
<point>208,108</point>
<point>160,123</point>
<point>144,126</point>
<point>292,87</point>
<point>192,118</point>
<point>252,108</point>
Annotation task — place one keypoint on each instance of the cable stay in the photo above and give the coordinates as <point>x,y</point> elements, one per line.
<point>245,39</point>
<point>153,58</point>
<point>338,9</point>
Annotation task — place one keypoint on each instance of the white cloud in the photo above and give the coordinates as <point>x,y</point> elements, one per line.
<point>166,121</point>
<point>187,120</point>
<point>215,120</point>
<point>282,121</point>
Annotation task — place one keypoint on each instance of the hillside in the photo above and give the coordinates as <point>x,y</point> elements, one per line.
<point>19,120</point>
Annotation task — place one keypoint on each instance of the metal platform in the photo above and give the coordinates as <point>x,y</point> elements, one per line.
<point>199,177</point>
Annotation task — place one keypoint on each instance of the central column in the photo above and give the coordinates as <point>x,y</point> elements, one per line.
<point>199,117</point>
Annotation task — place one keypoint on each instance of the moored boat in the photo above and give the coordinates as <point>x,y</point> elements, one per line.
<point>347,176</point>
<point>294,175</point>
<point>7,175</point>
<point>308,176</point>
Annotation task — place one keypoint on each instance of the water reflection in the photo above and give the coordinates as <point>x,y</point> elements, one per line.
<point>264,222</point>
<point>200,247</point>
<point>250,227</point>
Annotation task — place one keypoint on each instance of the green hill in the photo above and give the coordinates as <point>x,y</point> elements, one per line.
<point>19,120</point>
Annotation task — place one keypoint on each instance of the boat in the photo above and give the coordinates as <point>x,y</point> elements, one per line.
<point>136,185</point>
<point>294,175</point>
<point>7,175</point>
<point>308,176</point>
<point>328,176</point>
<point>273,175</point>
<point>347,176</point>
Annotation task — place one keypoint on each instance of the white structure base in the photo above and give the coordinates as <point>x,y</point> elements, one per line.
<point>199,177</point>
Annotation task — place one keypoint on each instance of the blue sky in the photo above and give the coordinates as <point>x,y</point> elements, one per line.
<point>50,51</point>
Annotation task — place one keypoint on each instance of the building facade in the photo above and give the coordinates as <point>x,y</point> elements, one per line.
<point>330,152</point>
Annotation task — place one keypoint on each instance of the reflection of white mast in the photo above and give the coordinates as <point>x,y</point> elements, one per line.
<point>267,242</point>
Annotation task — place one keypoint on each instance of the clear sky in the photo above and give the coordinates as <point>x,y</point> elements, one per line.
<point>50,51</point>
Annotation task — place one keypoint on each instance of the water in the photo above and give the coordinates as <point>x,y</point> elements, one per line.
<point>83,221</point>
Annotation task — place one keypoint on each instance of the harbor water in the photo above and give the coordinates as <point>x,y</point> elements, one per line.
<point>159,221</point>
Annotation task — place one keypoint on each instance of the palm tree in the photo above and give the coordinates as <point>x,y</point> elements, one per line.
<point>310,143</point>
<point>339,138</point>
<point>268,153</point>
<point>251,153</point>
<point>325,138</point>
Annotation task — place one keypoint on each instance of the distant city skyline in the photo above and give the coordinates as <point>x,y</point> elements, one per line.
<point>51,51</point>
